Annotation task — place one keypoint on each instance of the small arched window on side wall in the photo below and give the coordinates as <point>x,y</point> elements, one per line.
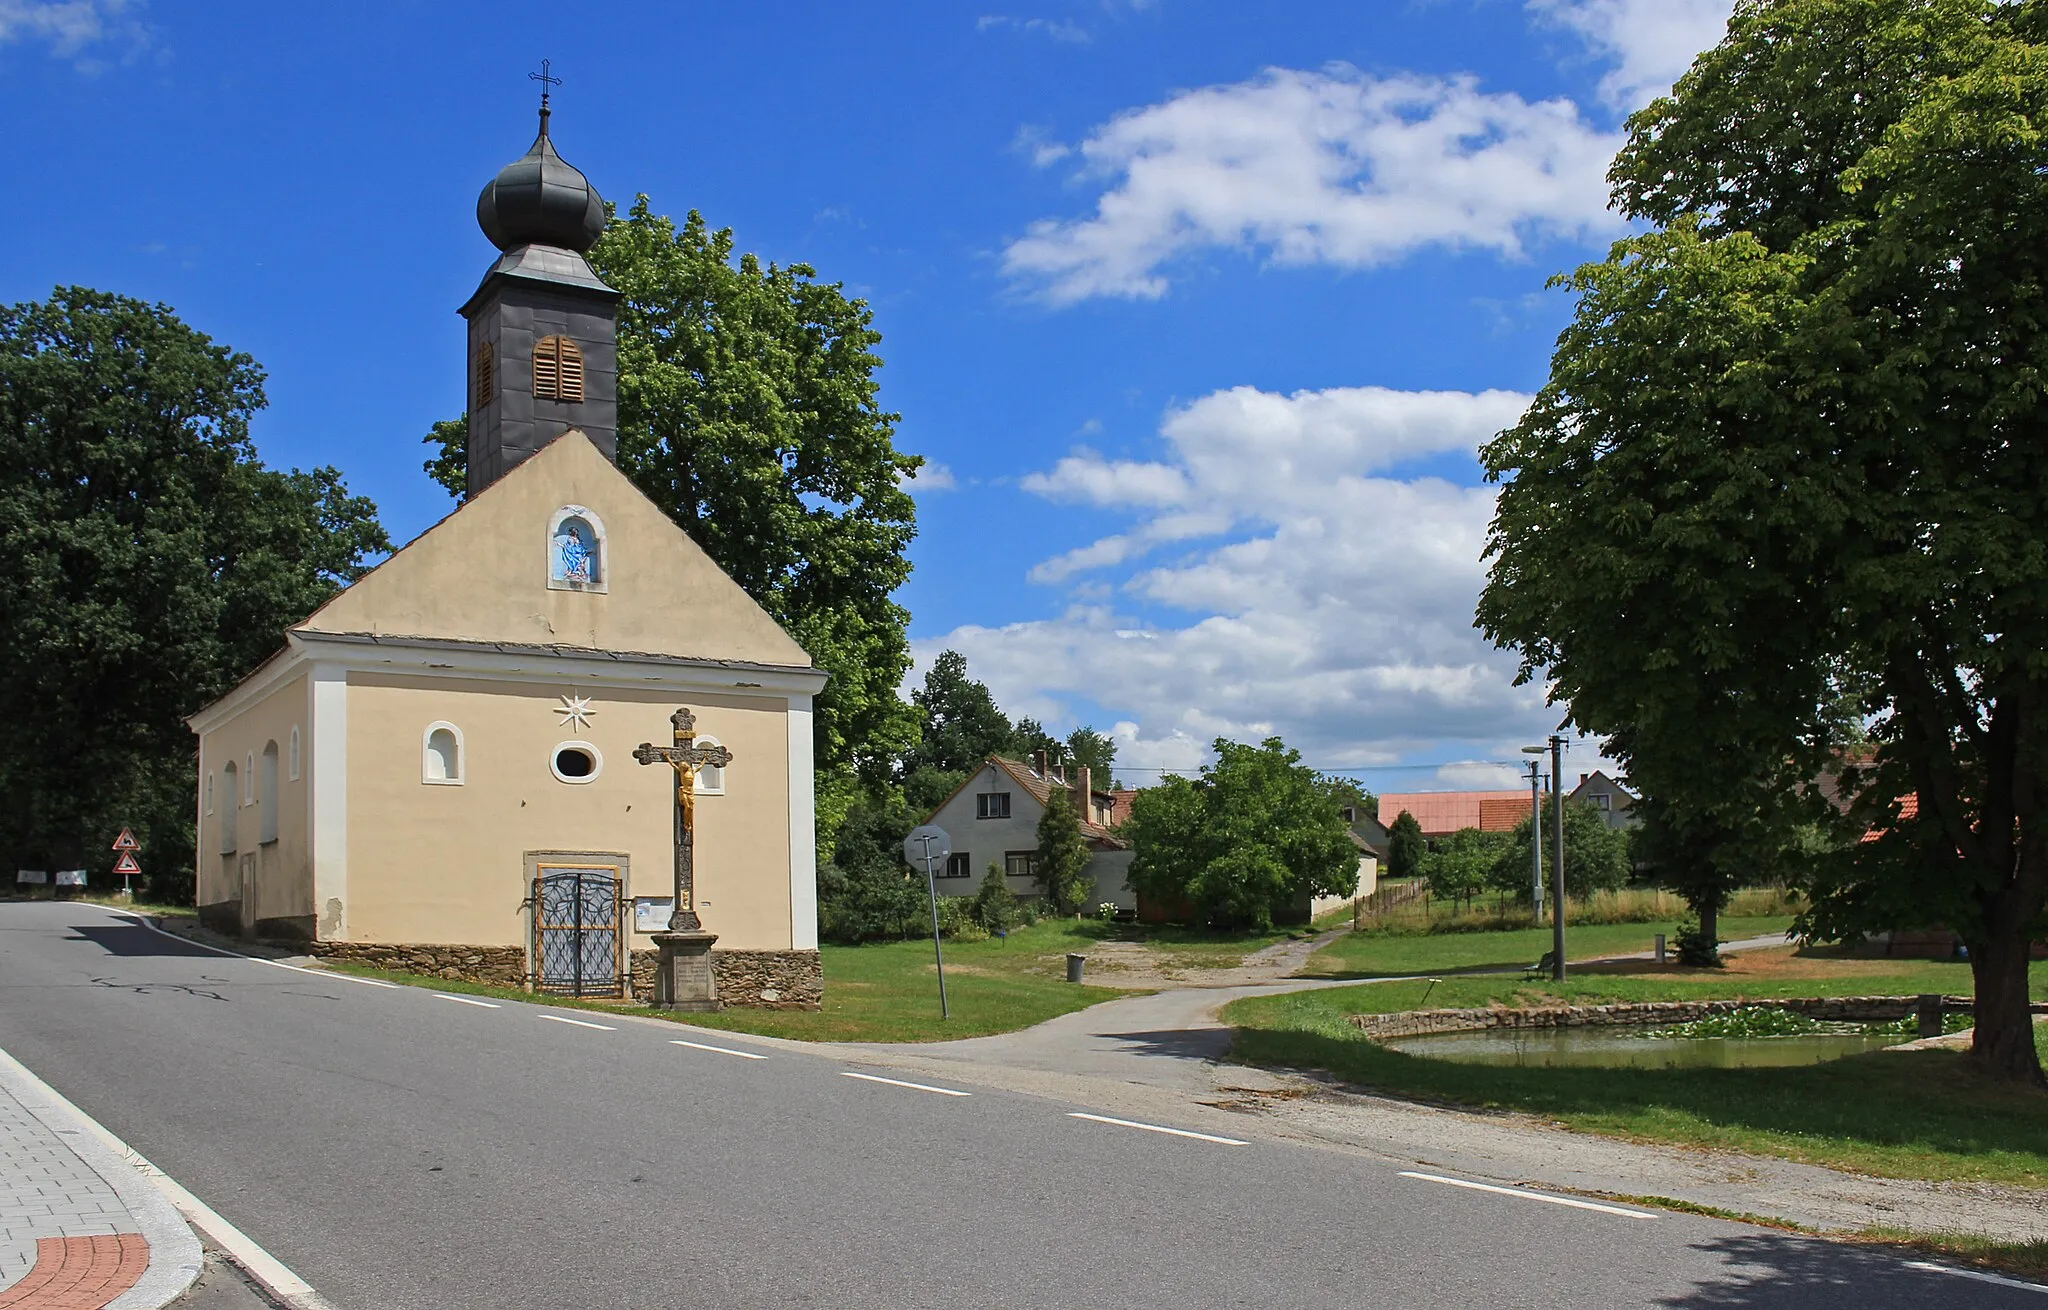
<point>267,794</point>
<point>230,812</point>
<point>249,779</point>
<point>292,760</point>
<point>209,793</point>
<point>486,374</point>
<point>577,553</point>
<point>441,755</point>
<point>557,371</point>
<point>710,778</point>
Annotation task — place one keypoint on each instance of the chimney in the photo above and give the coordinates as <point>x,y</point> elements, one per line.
<point>1583,777</point>
<point>1038,763</point>
<point>1084,795</point>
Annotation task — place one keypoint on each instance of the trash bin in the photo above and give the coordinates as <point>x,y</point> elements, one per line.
<point>1074,963</point>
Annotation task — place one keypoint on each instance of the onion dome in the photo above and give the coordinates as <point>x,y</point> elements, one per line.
<point>539,199</point>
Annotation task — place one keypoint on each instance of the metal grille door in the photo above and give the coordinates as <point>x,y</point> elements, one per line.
<point>577,930</point>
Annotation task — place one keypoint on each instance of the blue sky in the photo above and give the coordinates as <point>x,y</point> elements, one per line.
<point>1199,310</point>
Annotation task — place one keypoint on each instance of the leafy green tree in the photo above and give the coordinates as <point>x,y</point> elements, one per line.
<point>1257,832</point>
<point>1462,865</point>
<point>1063,856</point>
<point>749,411</point>
<point>865,890</point>
<point>1405,846</point>
<point>153,561</point>
<point>1095,751</point>
<point>959,727</point>
<point>1790,454</point>
<point>994,906</point>
<point>1596,857</point>
<point>1029,737</point>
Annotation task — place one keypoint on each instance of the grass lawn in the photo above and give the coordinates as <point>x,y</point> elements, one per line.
<point>1372,954</point>
<point>1922,1114</point>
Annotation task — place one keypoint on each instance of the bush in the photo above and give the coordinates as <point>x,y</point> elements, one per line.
<point>994,906</point>
<point>1696,947</point>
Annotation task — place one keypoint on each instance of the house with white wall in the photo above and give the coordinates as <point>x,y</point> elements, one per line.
<point>993,817</point>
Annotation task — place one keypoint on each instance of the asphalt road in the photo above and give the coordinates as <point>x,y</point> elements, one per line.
<point>399,1150</point>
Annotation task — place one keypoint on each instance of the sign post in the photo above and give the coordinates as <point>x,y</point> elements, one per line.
<point>127,866</point>
<point>927,844</point>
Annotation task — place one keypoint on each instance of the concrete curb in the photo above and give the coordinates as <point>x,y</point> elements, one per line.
<point>175,1256</point>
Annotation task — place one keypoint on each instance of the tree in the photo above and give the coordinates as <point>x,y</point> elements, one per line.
<point>959,726</point>
<point>865,890</point>
<point>749,411</point>
<point>1462,865</point>
<point>1063,855</point>
<point>1790,454</point>
<point>1255,834</point>
<point>994,906</point>
<point>1094,751</point>
<point>153,561</point>
<point>1405,846</point>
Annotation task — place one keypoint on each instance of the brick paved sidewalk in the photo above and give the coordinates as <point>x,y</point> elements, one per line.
<point>71,1237</point>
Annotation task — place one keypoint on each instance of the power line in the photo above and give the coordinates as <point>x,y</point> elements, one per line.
<point>1355,768</point>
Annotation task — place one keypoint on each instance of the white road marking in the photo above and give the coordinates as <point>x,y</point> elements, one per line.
<point>722,1050</point>
<point>896,1082</point>
<point>1929,1267</point>
<point>467,1000</point>
<point>137,919</point>
<point>1520,1194</point>
<point>283,1285</point>
<point>580,1023</point>
<point>1157,1128</point>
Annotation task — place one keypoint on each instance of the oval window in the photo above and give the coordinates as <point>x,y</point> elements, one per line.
<point>576,761</point>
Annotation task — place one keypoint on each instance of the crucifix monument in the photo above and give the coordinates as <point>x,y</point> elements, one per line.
<point>683,979</point>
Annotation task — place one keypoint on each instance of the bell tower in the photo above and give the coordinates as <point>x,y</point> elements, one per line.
<point>543,326</point>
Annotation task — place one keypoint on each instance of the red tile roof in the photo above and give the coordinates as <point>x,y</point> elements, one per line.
<point>1444,812</point>
<point>1909,808</point>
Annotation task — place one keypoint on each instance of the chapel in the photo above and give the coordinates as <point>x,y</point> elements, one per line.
<point>437,771</point>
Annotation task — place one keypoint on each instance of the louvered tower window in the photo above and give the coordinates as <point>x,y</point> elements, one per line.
<point>557,370</point>
<point>486,373</point>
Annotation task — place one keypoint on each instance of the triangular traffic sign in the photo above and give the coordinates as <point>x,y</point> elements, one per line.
<point>126,841</point>
<point>127,864</point>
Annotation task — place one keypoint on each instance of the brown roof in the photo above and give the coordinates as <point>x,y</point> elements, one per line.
<point>1042,787</point>
<point>1444,812</point>
<point>1120,807</point>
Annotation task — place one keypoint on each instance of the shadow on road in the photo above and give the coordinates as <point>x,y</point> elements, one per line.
<point>1178,1044</point>
<point>132,939</point>
<point>1770,1272</point>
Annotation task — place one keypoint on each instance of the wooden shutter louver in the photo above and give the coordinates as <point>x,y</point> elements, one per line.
<point>486,374</point>
<point>557,370</point>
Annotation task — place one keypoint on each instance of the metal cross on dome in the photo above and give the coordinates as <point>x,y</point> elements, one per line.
<point>546,81</point>
<point>686,757</point>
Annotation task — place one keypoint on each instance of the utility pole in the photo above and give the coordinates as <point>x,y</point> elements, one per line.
<point>1557,906</point>
<point>1536,833</point>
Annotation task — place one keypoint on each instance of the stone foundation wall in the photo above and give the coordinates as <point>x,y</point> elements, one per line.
<point>1845,1009</point>
<point>501,966</point>
<point>761,980</point>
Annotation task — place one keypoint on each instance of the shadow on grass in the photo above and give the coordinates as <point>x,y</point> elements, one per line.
<point>1913,1114</point>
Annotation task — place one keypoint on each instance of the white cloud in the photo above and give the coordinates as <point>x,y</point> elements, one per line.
<point>929,477</point>
<point>1651,42</point>
<point>1332,605</point>
<point>1058,29</point>
<point>71,26</point>
<point>1479,775</point>
<point>1338,167</point>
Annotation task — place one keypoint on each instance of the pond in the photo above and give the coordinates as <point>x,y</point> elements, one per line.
<point>1624,1048</point>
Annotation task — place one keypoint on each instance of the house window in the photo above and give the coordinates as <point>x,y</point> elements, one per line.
<point>576,550</point>
<point>576,761</point>
<point>1602,801</point>
<point>992,805</point>
<point>958,865</point>
<point>266,831</point>
<point>557,370</point>
<point>1021,864</point>
<point>441,755</point>
<point>710,778</point>
<point>293,761</point>
<point>486,374</point>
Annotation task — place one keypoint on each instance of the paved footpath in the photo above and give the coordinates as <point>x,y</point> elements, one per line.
<point>80,1228</point>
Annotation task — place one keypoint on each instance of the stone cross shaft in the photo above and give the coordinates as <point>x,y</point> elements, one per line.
<point>686,757</point>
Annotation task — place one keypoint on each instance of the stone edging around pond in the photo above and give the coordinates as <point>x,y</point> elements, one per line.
<point>1845,1009</point>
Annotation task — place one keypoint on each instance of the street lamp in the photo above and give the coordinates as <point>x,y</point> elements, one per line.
<point>1536,829</point>
<point>1556,747</point>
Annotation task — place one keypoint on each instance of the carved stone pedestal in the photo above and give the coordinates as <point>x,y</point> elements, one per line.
<point>682,975</point>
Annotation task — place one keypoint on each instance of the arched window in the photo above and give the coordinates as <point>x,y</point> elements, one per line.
<point>557,370</point>
<point>441,755</point>
<point>230,814</point>
<point>576,551</point>
<point>576,761</point>
<point>486,374</point>
<point>294,761</point>
<point>249,779</point>
<point>209,793</point>
<point>267,794</point>
<point>710,778</point>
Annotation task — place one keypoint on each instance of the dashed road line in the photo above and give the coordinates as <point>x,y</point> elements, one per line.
<point>580,1023</point>
<point>1929,1267</point>
<point>1523,1195</point>
<point>467,1000</point>
<point>897,1082</point>
<point>1158,1128</point>
<point>722,1050</point>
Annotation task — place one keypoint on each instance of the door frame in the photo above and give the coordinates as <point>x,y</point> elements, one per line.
<point>619,864</point>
